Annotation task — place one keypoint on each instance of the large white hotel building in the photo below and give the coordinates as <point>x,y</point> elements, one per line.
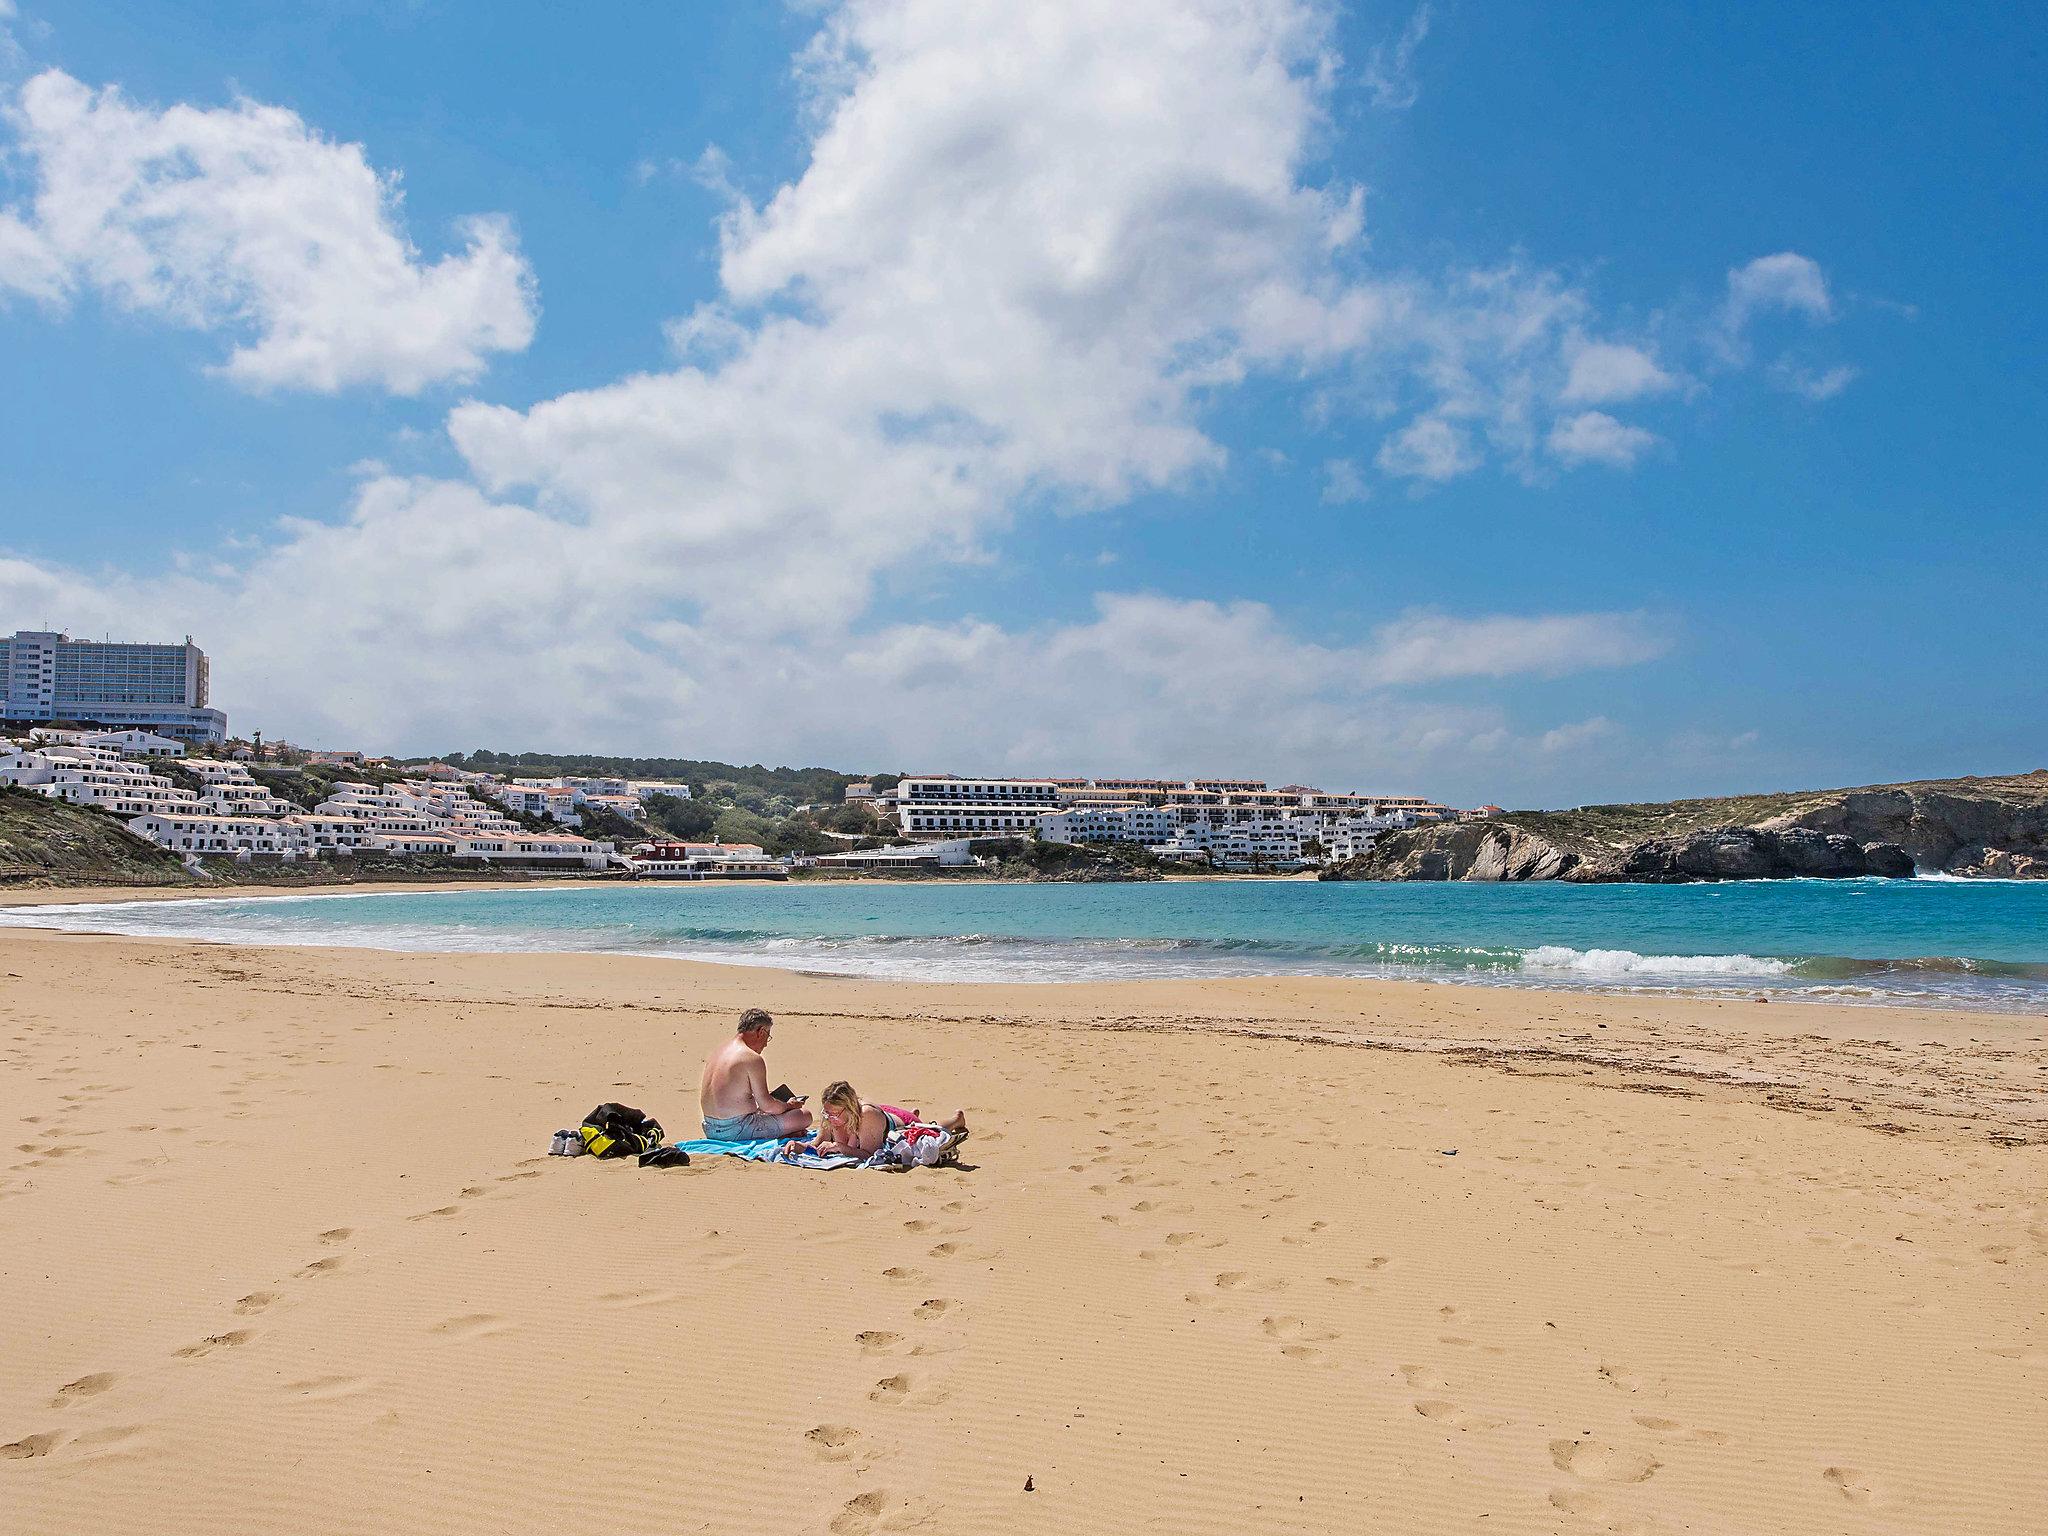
<point>1230,822</point>
<point>46,676</point>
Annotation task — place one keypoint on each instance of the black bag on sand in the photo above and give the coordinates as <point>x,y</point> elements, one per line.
<point>665,1157</point>
<point>619,1130</point>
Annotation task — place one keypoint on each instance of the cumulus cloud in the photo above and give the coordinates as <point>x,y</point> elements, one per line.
<point>1599,372</point>
<point>1785,284</point>
<point>1029,246</point>
<point>1785,281</point>
<point>245,219</point>
<point>1029,240</point>
<point>1594,437</point>
<point>1428,448</point>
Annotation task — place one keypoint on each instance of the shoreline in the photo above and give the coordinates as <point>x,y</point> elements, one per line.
<point>1761,989</point>
<point>1726,1040</point>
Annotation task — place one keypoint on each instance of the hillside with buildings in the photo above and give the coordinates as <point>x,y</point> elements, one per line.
<point>126,732</point>
<point>1970,827</point>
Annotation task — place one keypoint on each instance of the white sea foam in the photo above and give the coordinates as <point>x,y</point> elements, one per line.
<point>1626,962</point>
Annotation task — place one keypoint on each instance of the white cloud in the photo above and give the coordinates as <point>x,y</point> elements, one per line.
<point>1390,72</point>
<point>1029,245</point>
<point>1028,241</point>
<point>1344,481</point>
<point>1428,448</point>
<point>1432,647</point>
<point>245,219</point>
<point>1600,372</point>
<point>1813,383</point>
<point>1594,437</point>
<point>1786,281</point>
<point>1577,736</point>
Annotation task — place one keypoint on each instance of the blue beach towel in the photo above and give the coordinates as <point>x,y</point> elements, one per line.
<point>762,1151</point>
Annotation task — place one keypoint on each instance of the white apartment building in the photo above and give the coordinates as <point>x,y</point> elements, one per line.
<point>939,806</point>
<point>944,821</point>
<point>647,789</point>
<point>317,835</point>
<point>1144,824</point>
<point>124,743</point>
<point>237,835</point>
<point>1230,837</point>
<point>83,775</point>
<point>550,802</point>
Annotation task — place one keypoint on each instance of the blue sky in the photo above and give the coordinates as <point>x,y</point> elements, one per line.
<point>1632,401</point>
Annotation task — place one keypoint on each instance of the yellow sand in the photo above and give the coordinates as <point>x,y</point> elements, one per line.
<point>280,1252</point>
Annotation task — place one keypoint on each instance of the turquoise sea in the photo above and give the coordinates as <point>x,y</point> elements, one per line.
<point>1978,943</point>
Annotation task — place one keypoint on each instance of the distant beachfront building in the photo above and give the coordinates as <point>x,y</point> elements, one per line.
<point>938,806</point>
<point>46,675</point>
<point>1234,820</point>
<point>705,861</point>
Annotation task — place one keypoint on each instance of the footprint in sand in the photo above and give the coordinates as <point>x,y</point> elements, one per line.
<point>439,1210</point>
<point>471,1325</point>
<point>938,1306</point>
<point>877,1341</point>
<point>321,1267</point>
<point>254,1302</point>
<point>1597,1507</point>
<point>1850,1484</point>
<point>337,1234</point>
<point>860,1514</point>
<point>637,1298</point>
<point>31,1445</point>
<point>116,1442</point>
<point>1598,1462</point>
<point>1294,1330</point>
<point>899,1272</point>
<point>833,1442</point>
<point>1422,1378</point>
<point>1239,1280</point>
<point>903,1389</point>
<point>326,1389</point>
<point>218,1341</point>
<point>86,1386</point>
<point>1671,1429</point>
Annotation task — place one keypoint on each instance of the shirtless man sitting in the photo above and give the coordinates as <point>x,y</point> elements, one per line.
<point>734,1093</point>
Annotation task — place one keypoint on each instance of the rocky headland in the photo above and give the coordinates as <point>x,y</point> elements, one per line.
<point>1971,827</point>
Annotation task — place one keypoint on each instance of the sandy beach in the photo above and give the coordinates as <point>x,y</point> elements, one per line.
<point>280,1249</point>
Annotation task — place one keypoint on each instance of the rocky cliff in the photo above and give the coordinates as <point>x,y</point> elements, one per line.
<point>1979,827</point>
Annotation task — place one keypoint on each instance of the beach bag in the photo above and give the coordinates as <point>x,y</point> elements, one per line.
<point>619,1130</point>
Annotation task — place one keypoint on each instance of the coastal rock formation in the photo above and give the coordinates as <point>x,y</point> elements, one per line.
<point>1991,827</point>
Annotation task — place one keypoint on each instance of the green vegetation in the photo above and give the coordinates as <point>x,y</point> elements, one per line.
<point>762,790</point>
